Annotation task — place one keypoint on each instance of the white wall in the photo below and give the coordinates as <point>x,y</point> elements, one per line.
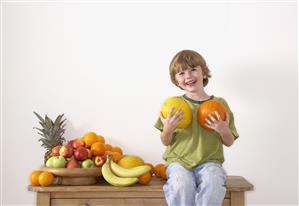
<point>105,66</point>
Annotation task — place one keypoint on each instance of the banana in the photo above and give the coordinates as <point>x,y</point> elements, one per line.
<point>129,172</point>
<point>111,178</point>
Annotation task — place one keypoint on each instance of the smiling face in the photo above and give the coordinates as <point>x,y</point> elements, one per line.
<point>190,79</point>
<point>189,65</point>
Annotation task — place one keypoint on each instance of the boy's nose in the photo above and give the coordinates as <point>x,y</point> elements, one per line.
<point>188,73</point>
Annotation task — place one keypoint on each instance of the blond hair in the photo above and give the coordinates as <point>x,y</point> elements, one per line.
<point>187,59</point>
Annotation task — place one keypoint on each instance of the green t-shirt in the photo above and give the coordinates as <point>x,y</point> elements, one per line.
<point>195,145</point>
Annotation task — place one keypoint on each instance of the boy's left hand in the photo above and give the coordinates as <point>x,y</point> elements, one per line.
<point>215,122</point>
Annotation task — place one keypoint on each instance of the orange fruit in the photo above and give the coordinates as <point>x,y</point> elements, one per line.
<point>162,172</point>
<point>34,178</point>
<point>100,139</point>
<point>116,156</point>
<point>157,169</point>
<point>152,168</point>
<point>45,178</point>
<point>145,179</point>
<point>90,138</point>
<point>108,147</point>
<point>117,149</point>
<point>97,149</point>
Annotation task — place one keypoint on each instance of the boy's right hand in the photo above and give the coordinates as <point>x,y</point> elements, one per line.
<point>172,121</point>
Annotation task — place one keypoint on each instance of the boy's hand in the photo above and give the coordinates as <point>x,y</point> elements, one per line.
<point>173,120</point>
<point>215,122</point>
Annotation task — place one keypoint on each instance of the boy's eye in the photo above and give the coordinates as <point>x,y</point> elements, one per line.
<point>193,69</point>
<point>181,73</point>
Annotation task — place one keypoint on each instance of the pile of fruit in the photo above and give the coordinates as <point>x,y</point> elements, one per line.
<point>87,152</point>
<point>90,151</point>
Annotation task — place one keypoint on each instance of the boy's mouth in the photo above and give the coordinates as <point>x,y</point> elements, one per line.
<point>190,83</point>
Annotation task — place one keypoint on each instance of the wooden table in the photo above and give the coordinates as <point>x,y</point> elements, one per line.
<point>103,194</point>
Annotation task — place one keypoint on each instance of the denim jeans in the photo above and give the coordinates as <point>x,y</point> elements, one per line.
<point>205,185</point>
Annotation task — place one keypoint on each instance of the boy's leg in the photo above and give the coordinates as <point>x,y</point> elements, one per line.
<point>211,181</point>
<point>180,187</point>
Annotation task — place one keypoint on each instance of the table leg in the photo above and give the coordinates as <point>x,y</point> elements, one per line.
<point>43,199</point>
<point>237,199</point>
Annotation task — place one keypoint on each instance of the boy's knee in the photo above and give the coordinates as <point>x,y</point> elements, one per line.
<point>214,174</point>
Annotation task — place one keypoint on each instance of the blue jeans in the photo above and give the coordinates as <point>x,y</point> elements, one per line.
<point>205,185</point>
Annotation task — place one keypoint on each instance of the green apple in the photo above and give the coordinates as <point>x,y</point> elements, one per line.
<point>88,163</point>
<point>49,162</point>
<point>59,162</point>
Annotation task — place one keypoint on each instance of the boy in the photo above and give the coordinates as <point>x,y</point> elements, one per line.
<point>194,155</point>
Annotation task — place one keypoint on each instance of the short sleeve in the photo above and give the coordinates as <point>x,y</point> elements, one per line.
<point>159,124</point>
<point>231,119</point>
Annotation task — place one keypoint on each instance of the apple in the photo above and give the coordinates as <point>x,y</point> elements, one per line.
<point>49,162</point>
<point>88,163</point>
<point>66,151</point>
<point>55,150</point>
<point>81,153</point>
<point>76,143</point>
<point>73,164</point>
<point>99,161</point>
<point>58,162</point>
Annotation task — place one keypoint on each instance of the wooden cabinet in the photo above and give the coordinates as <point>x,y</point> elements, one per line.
<point>103,194</point>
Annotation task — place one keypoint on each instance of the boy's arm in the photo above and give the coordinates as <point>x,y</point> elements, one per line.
<point>222,127</point>
<point>226,136</point>
<point>169,125</point>
<point>166,137</point>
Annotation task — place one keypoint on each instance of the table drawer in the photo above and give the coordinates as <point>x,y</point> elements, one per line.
<point>114,202</point>
<point>107,202</point>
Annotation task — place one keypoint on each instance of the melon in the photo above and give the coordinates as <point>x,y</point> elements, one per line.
<point>177,103</point>
<point>130,161</point>
<point>207,108</point>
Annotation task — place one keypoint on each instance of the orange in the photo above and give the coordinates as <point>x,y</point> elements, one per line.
<point>34,178</point>
<point>45,178</point>
<point>162,172</point>
<point>157,169</point>
<point>145,179</point>
<point>90,138</point>
<point>97,149</point>
<point>100,139</point>
<point>108,147</point>
<point>116,157</point>
<point>117,149</point>
<point>152,168</point>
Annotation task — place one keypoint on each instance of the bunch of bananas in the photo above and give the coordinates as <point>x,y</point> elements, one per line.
<point>120,176</point>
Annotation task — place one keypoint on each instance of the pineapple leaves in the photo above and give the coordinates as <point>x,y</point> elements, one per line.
<point>51,132</point>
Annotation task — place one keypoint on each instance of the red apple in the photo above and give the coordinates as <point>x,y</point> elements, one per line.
<point>55,150</point>
<point>77,143</point>
<point>73,164</point>
<point>66,151</point>
<point>81,154</point>
<point>99,161</point>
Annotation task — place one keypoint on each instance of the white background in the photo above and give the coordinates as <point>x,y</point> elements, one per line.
<point>105,66</point>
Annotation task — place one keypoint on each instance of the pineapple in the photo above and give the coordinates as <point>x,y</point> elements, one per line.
<point>51,132</point>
